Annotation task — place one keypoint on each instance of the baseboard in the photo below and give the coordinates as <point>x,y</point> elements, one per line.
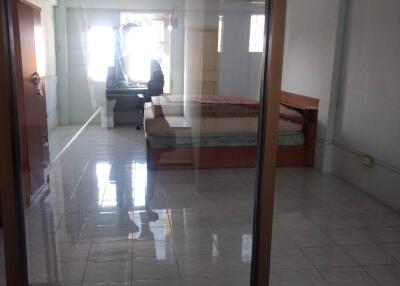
<point>378,181</point>
<point>323,156</point>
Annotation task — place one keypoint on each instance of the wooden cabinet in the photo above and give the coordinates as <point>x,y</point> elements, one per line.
<point>31,103</point>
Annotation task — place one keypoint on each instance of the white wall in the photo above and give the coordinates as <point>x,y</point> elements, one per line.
<point>368,114</point>
<point>50,77</point>
<point>309,61</point>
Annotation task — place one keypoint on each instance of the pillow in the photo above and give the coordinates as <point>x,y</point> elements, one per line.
<point>290,114</point>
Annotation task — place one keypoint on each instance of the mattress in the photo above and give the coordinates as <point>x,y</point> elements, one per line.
<point>224,106</point>
<point>219,140</point>
<point>210,125</point>
<point>212,132</point>
<point>206,106</point>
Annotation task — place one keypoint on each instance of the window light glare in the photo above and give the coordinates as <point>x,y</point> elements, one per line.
<point>40,51</point>
<point>256,41</point>
<point>220,33</point>
<point>100,47</point>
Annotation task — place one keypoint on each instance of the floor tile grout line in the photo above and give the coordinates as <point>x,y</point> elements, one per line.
<point>369,275</point>
<point>312,263</point>
<point>340,246</point>
<point>380,245</point>
<point>315,268</point>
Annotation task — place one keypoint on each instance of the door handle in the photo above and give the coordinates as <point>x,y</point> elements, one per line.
<point>37,81</point>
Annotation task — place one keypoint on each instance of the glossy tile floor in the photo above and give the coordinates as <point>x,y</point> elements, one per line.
<point>107,221</point>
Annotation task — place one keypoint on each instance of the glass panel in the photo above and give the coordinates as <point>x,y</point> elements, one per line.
<point>140,140</point>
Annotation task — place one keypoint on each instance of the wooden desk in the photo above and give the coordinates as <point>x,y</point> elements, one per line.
<point>126,92</point>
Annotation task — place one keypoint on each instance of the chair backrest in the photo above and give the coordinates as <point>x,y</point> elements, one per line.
<point>156,84</point>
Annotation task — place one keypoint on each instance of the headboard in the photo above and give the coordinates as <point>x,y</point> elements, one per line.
<point>308,106</point>
<point>298,101</point>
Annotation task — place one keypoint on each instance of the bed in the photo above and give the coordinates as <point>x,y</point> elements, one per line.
<point>221,132</point>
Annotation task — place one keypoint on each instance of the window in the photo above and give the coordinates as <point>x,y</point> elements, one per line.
<point>147,39</point>
<point>144,44</point>
<point>256,41</point>
<point>220,34</point>
<point>100,50</point>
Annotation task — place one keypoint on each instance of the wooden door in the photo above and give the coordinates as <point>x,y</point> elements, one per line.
<point>13,227</point>
<point>202,60</point>
<point>33,102</point>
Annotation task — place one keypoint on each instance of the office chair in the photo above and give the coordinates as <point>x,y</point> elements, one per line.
<point>155,87</point>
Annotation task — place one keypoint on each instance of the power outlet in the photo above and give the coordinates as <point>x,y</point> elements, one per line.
<point>367,161</point>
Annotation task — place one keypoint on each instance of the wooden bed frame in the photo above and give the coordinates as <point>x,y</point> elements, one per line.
<point>243,157</point>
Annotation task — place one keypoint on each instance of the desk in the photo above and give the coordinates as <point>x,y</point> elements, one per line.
<point>125,92</point>
<point>123,106</point>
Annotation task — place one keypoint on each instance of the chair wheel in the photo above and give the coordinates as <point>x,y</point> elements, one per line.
<point>137,127</point>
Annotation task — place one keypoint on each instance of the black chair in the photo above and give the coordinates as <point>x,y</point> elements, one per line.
<point>155,87</point>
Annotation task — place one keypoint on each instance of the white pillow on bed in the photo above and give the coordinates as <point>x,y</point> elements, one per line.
<point>289,126</point>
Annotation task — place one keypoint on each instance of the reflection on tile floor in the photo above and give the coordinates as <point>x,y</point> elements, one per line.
<point>194,227</point>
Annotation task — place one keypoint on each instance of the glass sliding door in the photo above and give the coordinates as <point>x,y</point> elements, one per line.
<point>13,268</point>
<point>157,165</point>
